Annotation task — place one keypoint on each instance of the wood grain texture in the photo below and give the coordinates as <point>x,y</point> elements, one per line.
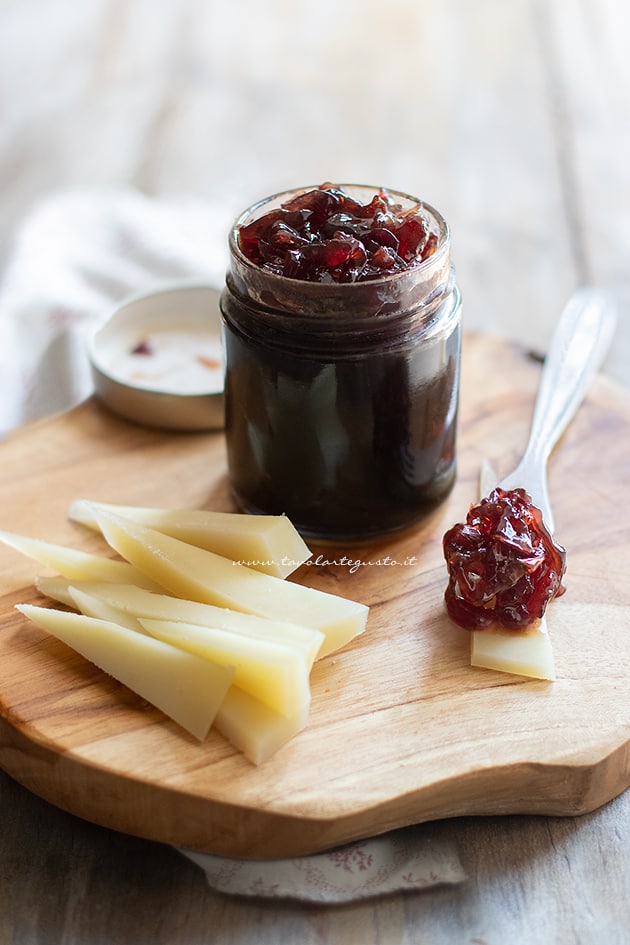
<point>402,729</point>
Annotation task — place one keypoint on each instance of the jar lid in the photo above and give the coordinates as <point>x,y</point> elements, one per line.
<point>158,359</point>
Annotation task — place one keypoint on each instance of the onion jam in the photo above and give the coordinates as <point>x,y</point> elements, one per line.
<point>326,235</point>
<point>504,566</point>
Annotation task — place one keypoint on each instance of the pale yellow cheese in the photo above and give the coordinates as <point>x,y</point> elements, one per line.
<point>184,686</point>
<point>77,565</point>
<point>97,607</point>
<point>275,674</point>
<point>523,653</point>
<point>142,603</point>
<point>253,727</point>
<point>138,602</point>
<point>267,543</point>
<point>193,573</point>
<point>58,588</point>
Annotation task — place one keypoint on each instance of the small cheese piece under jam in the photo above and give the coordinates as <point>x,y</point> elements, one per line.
<point>195,574</point>
<point>267,543</point>
<point>187,688</point>
<point>525,653</point>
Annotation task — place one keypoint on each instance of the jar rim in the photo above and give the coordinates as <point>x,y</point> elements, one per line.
<point>252,213</point>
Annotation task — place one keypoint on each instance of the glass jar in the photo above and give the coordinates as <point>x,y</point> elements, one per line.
<point>341,397</point>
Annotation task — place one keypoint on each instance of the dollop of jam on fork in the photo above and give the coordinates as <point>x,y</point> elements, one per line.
<point>503,564</point>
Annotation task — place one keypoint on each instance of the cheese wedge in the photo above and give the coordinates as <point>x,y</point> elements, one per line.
<point>254,728</point>
<point>185,687</point>
<point>138,602</point>
<point>277,675</point>
<point>76,565</point>
<point>96,607</point>
<point>523,653</point>
<point>58,588</point>
<point>195,574</point>
<point>247,723</point>
<point>267,543</point>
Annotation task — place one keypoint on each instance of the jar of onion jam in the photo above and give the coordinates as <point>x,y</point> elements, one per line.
<point>342,332</point>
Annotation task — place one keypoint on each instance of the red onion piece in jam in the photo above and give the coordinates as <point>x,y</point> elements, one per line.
<point>504,566</point>
<point>324,235</point>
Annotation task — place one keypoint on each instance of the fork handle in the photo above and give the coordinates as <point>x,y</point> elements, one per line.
<point>578,348</point>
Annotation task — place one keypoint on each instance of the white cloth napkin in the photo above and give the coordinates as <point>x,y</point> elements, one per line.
<point>76,255</point>
<point>403,860</point>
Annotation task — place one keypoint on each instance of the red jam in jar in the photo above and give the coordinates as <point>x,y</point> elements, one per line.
<point>342,332</point>
<point>503,564</point>
<point>325,235</point>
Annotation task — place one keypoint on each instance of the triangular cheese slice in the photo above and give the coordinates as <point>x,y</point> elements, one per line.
<point>193,573</point>
<point>138,602</point>
<point>253,727</point>
<point>275,674</point>
<point>74,564</point>
<point>267,543</point>
<point>187,688</point>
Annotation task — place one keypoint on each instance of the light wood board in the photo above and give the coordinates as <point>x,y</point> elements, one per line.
<point>402,729</point>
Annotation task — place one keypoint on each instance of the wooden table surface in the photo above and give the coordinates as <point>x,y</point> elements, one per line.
<point>513,119</point>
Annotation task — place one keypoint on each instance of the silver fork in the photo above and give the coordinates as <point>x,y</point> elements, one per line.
<point>577,350</point>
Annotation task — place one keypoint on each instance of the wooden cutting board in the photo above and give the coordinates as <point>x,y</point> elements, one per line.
<point>402,729</point>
